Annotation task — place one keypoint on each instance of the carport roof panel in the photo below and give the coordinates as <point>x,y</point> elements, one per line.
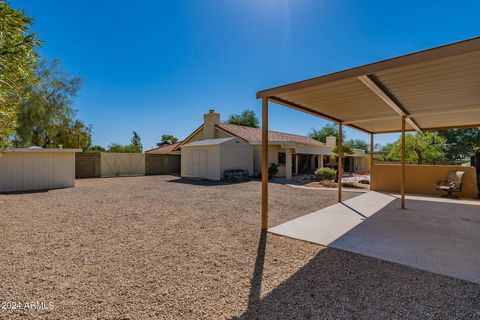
<point>208,142</point>
<point>435,88</point>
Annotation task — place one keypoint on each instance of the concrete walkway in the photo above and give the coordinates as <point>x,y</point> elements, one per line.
<point>434,234</point>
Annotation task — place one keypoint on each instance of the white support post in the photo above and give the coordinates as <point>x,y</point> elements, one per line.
<point>288,164</point>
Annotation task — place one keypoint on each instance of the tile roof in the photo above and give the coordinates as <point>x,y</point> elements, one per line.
<point>255,135</point>
<point>163,150</point>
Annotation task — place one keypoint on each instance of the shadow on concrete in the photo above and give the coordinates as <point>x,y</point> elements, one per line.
<point>354,210</point>
<point>433,234</point>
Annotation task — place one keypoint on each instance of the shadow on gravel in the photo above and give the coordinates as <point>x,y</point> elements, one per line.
<point>28,191</point>
<point>206,183</point>
<point>256,282</point>
<point>337,284</point>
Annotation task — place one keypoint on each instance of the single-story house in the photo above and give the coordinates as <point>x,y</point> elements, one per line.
<point>294,154</point>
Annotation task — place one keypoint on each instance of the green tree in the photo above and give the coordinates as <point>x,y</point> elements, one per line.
<point>386,148</point>
<point>461,143</point>
<point>167,139</point>
<point>95,148</point>
<point>346,150</point>
<point>17,66</point>
<point>46,118</point>
<point>358,144</point>
<point>332,129</point>
<point>134,147</point>
<point>116,147</point>
<point>247,118</point>
<point>119,148</point>
<point>321,135</point>
<point>419,147</point>
<point>136,142</point>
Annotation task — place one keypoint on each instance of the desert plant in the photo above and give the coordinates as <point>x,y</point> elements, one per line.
<point>325,174</point>
<point>273,169</point>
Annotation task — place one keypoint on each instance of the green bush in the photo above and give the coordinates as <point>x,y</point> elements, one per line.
<point>273,169</point>
<point>325,174</point>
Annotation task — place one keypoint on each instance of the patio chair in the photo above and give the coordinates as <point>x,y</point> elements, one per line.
<point>453,183</point>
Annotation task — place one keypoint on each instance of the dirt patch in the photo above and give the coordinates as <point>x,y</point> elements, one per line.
<point>167,248</point>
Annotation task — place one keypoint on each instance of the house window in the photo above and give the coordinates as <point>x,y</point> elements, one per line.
<point>281,158</point>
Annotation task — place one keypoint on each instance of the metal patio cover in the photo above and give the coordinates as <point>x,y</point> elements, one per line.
<point>437,88</point>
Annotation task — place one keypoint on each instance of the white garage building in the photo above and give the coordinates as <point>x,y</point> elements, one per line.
<point>28,169</point>
<point>208,159</point>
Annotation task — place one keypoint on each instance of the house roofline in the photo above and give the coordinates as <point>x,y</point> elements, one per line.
<point>188,137</point>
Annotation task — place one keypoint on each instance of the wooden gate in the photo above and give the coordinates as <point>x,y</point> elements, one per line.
<point>87,165</point>
<point>122,164</point>
<point>162,164</point>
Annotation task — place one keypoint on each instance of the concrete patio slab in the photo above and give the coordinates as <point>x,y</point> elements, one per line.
<point>434,234</point>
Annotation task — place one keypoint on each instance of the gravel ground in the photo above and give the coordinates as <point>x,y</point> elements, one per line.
<point>160,247</point>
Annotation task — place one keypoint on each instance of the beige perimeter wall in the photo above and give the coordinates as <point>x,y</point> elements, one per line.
<point>421,179</point>
<point>122,164</point>
<point>26,171</point>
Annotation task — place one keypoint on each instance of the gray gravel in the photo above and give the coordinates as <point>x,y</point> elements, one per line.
<point>160,247</point>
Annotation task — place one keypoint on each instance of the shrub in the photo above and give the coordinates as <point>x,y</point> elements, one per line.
<point>325,174</point>
<point>273,169</point>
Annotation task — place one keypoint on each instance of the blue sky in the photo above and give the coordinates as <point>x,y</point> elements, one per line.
<point>157,66</point>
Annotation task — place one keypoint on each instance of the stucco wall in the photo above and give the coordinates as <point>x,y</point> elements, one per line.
<point>219,134</point>
<point>362,163</point>
<point>25,171</point>
<point>210,161</point>
<point>272,158</point>
<point>197,136</point>
<point>200,135</point>
<point>236,156</point>
<point>420,179</point>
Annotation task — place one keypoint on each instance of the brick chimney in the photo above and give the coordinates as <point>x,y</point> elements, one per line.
<point>210,119</point>
<point>331,141</point>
